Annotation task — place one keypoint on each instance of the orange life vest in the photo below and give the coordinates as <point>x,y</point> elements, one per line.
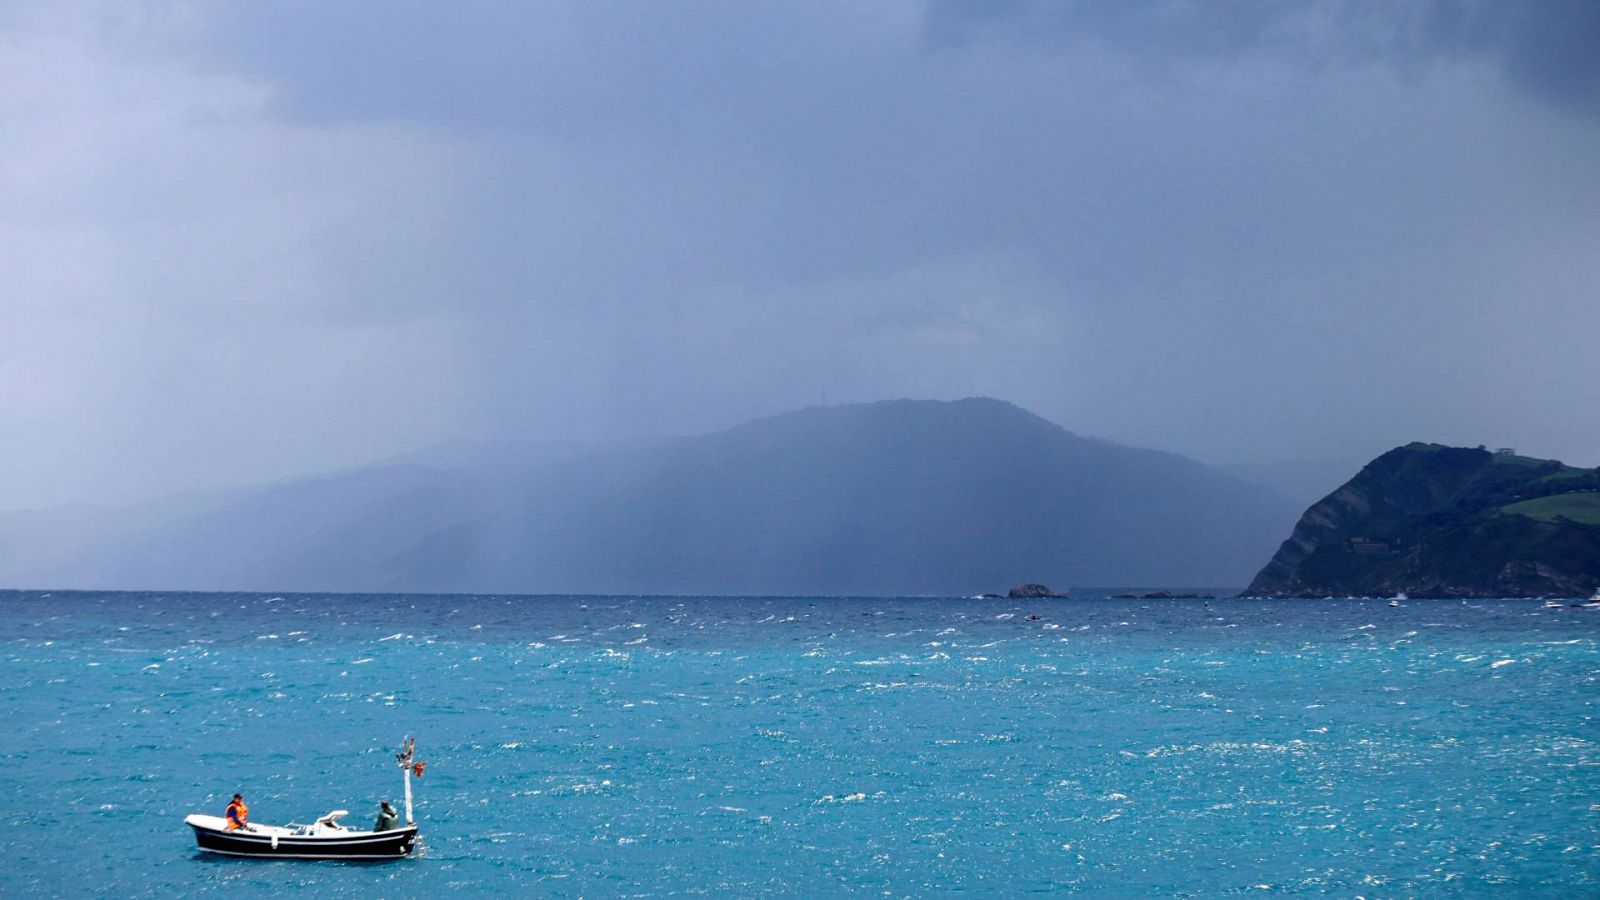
<point>237,814</point>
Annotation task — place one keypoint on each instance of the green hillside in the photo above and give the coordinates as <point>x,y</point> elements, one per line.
<point>1431,520</point>
<point>1579,507</point>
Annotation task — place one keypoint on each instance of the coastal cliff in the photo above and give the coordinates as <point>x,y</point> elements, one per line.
<point>1435,521</point>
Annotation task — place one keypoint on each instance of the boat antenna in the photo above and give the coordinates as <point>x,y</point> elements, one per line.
<point>408,750</point>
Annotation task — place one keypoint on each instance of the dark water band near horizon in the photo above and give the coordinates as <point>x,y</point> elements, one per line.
<point>592,746</point>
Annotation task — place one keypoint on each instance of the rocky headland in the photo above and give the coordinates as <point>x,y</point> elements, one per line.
<point>1429,520</point>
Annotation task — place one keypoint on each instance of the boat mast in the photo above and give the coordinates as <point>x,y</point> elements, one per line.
<point>408,749</point>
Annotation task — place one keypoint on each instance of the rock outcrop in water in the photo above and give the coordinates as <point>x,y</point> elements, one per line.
<point>1435,521</point>
<point>1031,591</point>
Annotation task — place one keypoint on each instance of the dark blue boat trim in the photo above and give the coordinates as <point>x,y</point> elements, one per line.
<point>396,844</point>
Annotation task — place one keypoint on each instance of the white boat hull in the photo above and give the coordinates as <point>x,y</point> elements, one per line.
<point>305,842</point>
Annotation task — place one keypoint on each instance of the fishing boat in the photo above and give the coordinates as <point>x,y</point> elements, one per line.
<point>325,838</point>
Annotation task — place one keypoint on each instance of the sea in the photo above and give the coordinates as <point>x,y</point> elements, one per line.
<point>807,747</point>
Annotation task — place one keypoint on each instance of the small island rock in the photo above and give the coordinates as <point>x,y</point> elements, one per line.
<point>1031,591</point>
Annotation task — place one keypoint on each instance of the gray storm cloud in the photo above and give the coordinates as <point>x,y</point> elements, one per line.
<point>241,242</point>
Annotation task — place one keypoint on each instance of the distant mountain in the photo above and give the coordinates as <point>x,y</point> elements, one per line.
<point>899,497</point>
<point>1302,482</point>
<point>466,454</point>
<point>1436,521</point>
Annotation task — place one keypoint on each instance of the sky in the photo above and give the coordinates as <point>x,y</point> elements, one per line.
<point>243,241</point>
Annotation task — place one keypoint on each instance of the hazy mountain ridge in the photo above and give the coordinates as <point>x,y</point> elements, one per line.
<point>1302,481</point>
<point>1431,520</point>
<point>890,498</point>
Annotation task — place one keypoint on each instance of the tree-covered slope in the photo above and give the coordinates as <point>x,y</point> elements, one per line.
<point>1430,520</point>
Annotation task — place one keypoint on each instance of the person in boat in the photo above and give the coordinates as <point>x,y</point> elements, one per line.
<point>238,815</point>
<point>387,818</point>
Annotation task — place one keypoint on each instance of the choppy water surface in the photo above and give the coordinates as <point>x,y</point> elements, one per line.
<point>648,746</point>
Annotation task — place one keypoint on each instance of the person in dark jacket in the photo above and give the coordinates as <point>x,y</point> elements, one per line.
<point>388,819</point>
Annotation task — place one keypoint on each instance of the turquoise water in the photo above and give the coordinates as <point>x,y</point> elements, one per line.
<point>891,747</point>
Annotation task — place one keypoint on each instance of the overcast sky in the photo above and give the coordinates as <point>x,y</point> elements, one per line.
<point>240,241</point>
